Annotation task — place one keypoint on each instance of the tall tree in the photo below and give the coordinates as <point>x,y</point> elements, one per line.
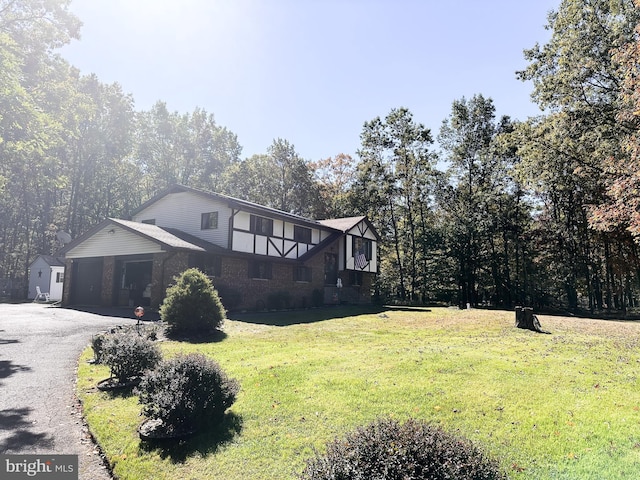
<point>190,148</point>
<point>392,187</point>
<point>621,206</point>
<point>29,129</point>
<point>280,179</point>
<point>467,136</point>
<point>568,152</point>
<point>101,180</point>
<point>335,176</point>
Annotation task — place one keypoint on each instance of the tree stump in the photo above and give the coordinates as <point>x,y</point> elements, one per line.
<point>527,320</point>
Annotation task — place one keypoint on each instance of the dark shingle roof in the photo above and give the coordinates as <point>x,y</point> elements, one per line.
<point>170,237</point>
<point>53,261</point>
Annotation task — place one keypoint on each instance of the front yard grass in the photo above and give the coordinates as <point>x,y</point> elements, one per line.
<point>560,406</point>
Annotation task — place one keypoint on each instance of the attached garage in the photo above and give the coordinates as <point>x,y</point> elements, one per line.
<point>87,287</point>
<point>126,263</point>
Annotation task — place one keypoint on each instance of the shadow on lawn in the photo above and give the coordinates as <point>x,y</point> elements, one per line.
<point>205,443</point>
<point>285,318</point>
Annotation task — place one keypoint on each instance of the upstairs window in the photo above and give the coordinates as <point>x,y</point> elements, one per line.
<point>209,221</point>
<point>301,234</point>
<point>362,246</point>
<point>261,226</point>
<point>59,277</point>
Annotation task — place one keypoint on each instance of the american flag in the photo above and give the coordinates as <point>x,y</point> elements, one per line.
<point>361,261</point>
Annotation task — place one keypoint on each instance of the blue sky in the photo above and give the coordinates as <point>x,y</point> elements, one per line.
<point>311,71</point>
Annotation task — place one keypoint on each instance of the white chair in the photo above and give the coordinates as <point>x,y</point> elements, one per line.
<point>40,295</point>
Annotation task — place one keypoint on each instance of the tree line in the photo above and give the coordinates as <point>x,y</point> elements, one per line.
<point>541,212</point>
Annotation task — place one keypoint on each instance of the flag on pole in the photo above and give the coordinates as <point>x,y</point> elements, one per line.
<point>361,261</point>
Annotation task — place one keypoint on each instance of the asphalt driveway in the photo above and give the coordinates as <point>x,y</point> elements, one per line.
<point>39,349</point>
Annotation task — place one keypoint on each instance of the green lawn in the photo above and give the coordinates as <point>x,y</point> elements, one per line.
<point>560,406</point>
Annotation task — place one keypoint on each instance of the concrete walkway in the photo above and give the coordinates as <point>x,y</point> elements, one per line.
<point>39,350</point>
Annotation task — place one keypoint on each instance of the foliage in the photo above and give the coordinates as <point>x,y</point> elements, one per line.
<point>543,211</point>
<point>279,179</point>
<point>187,392</point>
<point>192,304</point>
<point>128,355</point>
<point>619,209</point>
<point>388,450</point>
<point>393,188</point>
<point>190,148</point>
<point>568,154</point>
<point>335,176</point>
<point>147,331</point>
<point>476,204</point>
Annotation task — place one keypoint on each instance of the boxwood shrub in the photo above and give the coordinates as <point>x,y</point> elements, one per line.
<point>128,354</point>
<point>187,392</point>
<point>387,450</point>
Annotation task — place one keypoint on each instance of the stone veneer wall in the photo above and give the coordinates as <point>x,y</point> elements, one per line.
<point>66,286</point>
<point>253,294</point>
<point>165,267</point>
<point>108,270</point>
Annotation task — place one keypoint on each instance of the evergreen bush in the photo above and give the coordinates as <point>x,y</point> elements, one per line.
<point>96,345</point>
<point>187,392</point>
<point>128,355</point>
<point>192,305</point>
<point>387,450</point>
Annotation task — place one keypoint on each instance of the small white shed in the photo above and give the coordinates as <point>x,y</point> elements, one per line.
<point>46,272</point>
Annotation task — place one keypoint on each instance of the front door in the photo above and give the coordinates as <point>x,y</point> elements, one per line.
<point>135,287</point>
<point>330,269</point>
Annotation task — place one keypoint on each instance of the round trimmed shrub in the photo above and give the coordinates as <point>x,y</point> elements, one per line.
<point>387,450</point>
<point>128,355</point>
<point>187,392</point>
<point>192,304</point>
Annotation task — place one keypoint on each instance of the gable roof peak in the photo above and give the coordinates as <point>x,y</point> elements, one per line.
<point>343,224</point>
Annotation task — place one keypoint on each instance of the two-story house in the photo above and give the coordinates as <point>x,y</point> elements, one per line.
<point>257,257</point>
